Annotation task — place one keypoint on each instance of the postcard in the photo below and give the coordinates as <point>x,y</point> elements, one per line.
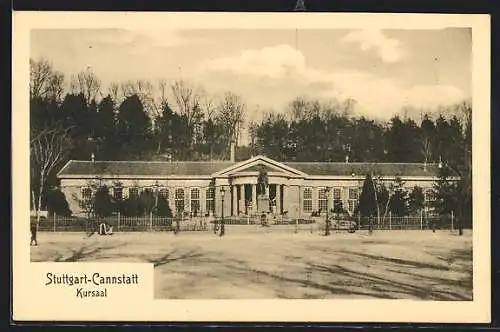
<point>258,167</point>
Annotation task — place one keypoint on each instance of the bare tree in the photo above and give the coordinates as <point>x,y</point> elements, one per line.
<point>113,91</point>
<point>187,99</point>
<point>253,128</point>
<point>48,149</point>
<point>426,148</point>
<point>231,113</point>
<point>207,103</point>
<point>298,109</point>
<point>162,84</point>
<point>87,83</point>
<point>144,90</point>
<point>45,81</point>
<point>55,87</point>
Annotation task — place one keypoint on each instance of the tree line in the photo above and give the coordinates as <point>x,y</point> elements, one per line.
<point>177,120</point>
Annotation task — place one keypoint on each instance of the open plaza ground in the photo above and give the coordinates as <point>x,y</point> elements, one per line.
<point>261,263</point>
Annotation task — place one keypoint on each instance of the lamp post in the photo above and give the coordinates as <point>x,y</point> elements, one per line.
<point>222,230</point>
<point>327,223</point>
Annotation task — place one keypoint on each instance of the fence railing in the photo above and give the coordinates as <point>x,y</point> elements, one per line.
<point>411,222</point>
<point>120,223</point>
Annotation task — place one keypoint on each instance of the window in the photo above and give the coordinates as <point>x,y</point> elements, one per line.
<point>353,193</point>
<point>118,193</point>
<point>210,200</point>
<point>133,193</point>
<point>322,200</point>
<point>163,193</point>
<point>179,199</point>
<point>307,200</point>
<point>337,197</point>
<point>352,202</point>
<point>428,198</point>
<point>86,194</point>
<point>195,200</point>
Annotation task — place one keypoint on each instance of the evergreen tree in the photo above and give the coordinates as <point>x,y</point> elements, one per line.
<point>367,200</point>
<point>133,126</point>
<point>427,138</point>
<point>106,130</point>
<point>416,200</point>
<point>398,204</point>
<point>445,198</point>
<point>103,205</point>
<point>57,203</point>
<point>148,201</point>
<point>163,208</point>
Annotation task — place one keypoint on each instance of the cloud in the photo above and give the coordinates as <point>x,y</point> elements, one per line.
<point>276,61</point>
<point>388,49</point>
<point>276,75</point>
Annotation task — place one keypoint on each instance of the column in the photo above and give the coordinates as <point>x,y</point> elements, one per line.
<point>301,203</point>
<point>234,194</point>
<point>278,199</point>
<point>254,198</point>
<point>241,202</point>
<point>286,205</point>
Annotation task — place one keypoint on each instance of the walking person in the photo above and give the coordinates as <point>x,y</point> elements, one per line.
<point>33,228</point>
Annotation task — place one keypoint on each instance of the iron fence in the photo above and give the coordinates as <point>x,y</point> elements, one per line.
<point>120,223</point>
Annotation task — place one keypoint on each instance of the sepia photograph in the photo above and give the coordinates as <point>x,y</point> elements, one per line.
<point>291,163</point>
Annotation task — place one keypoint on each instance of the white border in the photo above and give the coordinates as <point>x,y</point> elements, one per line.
<point>26,304</point>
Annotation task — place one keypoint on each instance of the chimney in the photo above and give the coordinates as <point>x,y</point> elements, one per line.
<point>92,157</point>
<point>232,152</point>
<point>346,159</point>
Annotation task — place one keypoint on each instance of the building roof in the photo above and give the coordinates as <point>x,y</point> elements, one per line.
<point>78,168</point>
<point>382,169</point>
<point>141,168</point>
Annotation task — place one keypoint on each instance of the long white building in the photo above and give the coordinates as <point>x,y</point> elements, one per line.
<point>293,188</point>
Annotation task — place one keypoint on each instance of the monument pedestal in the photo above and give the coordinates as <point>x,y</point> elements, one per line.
<point>262,204</point>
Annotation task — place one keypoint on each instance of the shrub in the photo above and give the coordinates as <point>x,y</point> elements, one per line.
<point>57,203</point>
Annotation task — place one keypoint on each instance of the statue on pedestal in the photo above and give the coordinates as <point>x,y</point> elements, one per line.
<point>262,191</point>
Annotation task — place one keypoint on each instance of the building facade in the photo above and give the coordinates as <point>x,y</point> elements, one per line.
<point>293,189</point>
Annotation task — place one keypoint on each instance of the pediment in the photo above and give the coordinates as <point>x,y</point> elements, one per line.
<point>258,163</point>
<point>258,168</point>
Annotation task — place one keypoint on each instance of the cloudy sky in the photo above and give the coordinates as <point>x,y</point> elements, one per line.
<point>383,70</point>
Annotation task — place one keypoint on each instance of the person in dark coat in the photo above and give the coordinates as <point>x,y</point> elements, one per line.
<point>33,235</point>
<point>370,225</point>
